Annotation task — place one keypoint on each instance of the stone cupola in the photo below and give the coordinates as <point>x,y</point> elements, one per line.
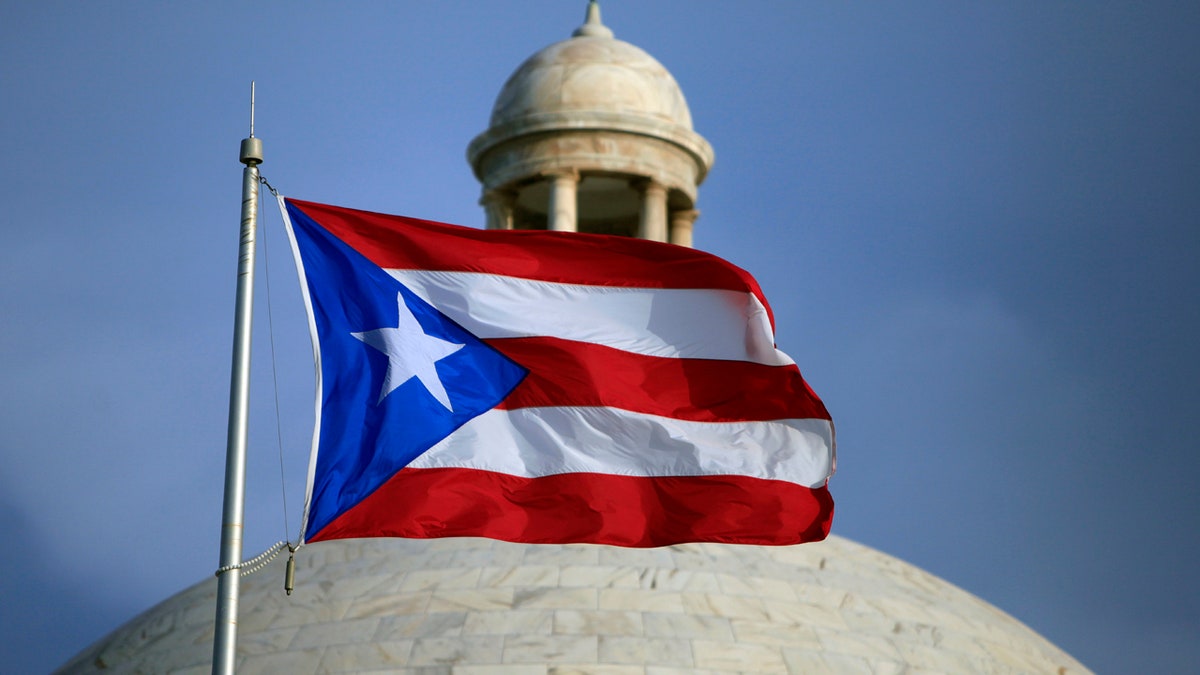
<point>592,134</point>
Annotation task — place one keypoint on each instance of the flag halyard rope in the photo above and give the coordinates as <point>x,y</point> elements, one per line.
<point>258,562</point>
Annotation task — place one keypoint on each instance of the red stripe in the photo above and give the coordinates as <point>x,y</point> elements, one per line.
<point>398,242</point>
<point>588,508</point>
<point>568,373</point>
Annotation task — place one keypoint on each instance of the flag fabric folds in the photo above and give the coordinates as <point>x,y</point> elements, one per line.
<point>548,387</point>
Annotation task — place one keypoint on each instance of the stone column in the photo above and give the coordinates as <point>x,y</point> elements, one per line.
<point>681,226</point>
<point>560,213</point>
<point>498,204</point>
<point>653,222</point>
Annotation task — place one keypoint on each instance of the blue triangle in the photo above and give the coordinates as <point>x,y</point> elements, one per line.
<point>364,441</point>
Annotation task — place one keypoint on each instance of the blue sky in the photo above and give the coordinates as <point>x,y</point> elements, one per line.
<point>978,225</point>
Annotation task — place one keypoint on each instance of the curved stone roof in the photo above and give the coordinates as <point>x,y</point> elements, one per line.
<point>589,74</point>
<point>591,82</point>
<point>481,606</point>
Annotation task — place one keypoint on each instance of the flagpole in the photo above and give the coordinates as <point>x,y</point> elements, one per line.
<point>225,632</point>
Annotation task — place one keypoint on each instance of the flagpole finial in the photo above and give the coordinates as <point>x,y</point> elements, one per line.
<point>251,108</point>
<point>592,27</point>
<point>252,148</point>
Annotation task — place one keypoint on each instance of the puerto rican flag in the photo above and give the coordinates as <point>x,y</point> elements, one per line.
<point>549,387</point>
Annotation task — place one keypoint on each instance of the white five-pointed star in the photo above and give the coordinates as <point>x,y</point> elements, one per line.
<point>411,353</point>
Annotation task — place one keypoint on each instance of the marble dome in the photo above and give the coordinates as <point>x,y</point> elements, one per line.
<point>591,74</point>
<point>597,92</point>
<point>481,606</point>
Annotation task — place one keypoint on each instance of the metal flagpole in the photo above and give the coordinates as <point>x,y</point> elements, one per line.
<point>225,634</point>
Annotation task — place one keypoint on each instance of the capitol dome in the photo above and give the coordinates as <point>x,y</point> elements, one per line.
<point>591,75</point>
<point>481,606</point>
<point>597,122</point>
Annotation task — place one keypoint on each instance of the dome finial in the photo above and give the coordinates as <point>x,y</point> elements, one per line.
<point>591,26</point>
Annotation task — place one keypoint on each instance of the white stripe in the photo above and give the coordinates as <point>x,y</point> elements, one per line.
<point>673,323</point>
<point>534,442</point>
